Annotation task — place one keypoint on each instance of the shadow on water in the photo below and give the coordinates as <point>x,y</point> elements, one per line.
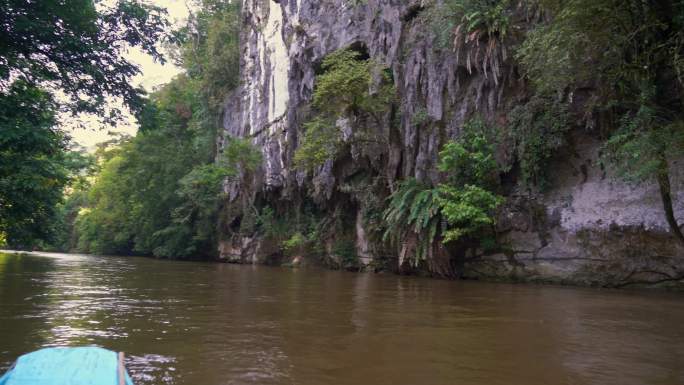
<point>194,323</point>
<point>22,285</point>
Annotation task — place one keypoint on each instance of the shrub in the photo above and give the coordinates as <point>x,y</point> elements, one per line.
<point>461,208</point>
<point>321,142</point>
<point>468,210</point>
<point>294,244</point>
<point>345,88</point>
<point>538,128</point>
<point>470,159</point>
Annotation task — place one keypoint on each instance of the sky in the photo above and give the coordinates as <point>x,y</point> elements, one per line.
<point>153,75</point>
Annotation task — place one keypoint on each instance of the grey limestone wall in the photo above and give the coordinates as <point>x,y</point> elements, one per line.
<point>590,228</point>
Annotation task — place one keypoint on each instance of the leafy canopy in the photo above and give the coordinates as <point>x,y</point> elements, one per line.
<point>32,165</point>
<point>74,49</point>
<point>78,47</point>
<point>159,193</point>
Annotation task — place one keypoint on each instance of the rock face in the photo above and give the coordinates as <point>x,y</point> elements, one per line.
<point>589,228</point>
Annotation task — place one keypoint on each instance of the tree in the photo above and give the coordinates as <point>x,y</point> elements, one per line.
<point>31,172</point>
<point>77,47</point>
<point>73,49</point>
<point>35,165</point>
<point>210,45</point>
<point>160,192</point>
<point>134,194</point>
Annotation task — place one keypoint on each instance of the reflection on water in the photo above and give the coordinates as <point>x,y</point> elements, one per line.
<point>206,324</point>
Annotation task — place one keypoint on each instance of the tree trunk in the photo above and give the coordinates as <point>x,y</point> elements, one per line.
<point>666,196</point>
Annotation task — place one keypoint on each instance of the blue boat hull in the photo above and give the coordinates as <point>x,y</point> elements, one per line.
<point>66,366</point>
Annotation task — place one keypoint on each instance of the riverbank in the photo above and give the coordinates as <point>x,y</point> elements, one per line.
<point>504,272</point>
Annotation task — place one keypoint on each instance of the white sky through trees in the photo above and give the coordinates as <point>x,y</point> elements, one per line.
<point>86,131</point>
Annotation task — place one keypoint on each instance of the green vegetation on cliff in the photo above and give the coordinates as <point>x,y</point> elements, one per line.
<point>462,209</point>
<point>612,68</point>
<point>376,162</point>
<point>349,87</point>
<point>627,57</point>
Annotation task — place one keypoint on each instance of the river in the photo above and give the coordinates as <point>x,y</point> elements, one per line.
<point>188,323</point>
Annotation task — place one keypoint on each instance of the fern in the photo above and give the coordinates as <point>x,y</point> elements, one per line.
<point>413,208</point>
<point>477,30</point>
<point>417,214</point>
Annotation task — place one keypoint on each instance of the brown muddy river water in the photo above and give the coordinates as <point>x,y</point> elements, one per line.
<point>211,324</point>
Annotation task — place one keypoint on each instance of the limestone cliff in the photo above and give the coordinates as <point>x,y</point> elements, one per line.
<point>588,228</point>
